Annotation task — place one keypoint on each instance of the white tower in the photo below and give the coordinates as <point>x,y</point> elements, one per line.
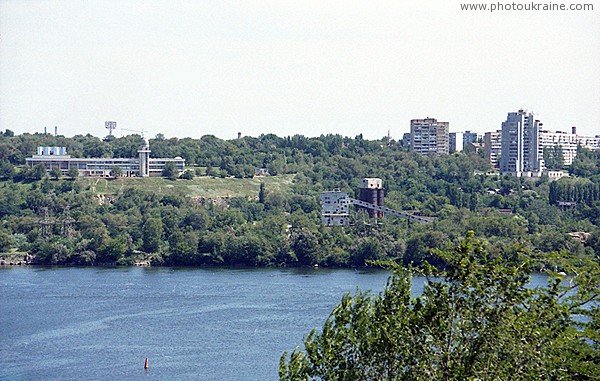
<point>144,153</point>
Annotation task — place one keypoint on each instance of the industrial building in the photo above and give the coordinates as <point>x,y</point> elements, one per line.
<point>429,137</point>
<point>141,166</point>
<point>335,205</point>
<point>371,191</point>
<point>334,208</point>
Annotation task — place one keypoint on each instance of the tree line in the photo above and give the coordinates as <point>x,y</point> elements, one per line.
<point>276,228</point>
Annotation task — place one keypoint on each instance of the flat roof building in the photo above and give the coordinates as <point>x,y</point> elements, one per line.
<point>429,137</point>
<point>492,142</point>
<point>142,166</point>
<point>521,151</point>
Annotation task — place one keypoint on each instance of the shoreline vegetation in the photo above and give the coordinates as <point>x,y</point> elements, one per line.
<point>219,213</point>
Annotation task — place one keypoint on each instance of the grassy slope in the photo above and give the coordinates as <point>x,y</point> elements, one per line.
<point>198,187</point>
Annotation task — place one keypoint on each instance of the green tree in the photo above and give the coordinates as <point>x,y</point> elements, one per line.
<point>152,232</point>
<point>479,321</point>
<point>6,240</point>
<point>305,245</point>
<point>56,173</point>
<point>116,172</point>
<point>7,170</point>
<point>187,175</point>
<point>170,171</point>
<point>261,193</point>
<point>73,173</point>
<point>37,172</point>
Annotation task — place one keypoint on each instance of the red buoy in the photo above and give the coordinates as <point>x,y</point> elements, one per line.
<point>146,364</point>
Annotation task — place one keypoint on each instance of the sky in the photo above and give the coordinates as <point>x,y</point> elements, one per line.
<point>191,68</point>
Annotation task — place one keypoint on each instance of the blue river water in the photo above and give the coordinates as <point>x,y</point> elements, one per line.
<point>192,324</point>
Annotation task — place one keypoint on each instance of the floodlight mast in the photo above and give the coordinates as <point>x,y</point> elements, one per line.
<point>110,125</point>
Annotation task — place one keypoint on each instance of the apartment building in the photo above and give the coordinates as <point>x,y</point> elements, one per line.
<point>521,152</point>
<point>493,147</point>
<point>429,137</point>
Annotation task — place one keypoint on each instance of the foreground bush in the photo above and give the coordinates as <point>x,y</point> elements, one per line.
<point>475,321</point>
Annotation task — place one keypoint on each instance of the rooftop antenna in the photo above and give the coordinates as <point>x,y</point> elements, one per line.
<point>55,131</point>
<point>110,125</point>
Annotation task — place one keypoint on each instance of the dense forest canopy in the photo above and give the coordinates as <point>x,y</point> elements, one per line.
<point>63,220</point>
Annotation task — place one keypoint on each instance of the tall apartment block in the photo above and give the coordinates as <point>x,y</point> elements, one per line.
<point>521,151</point>
<point>453,139</point>
<point>492,147</point>
<point>406,140</point>
<point>459,141</point>
<point>469,137</point>
<point>429,137</point>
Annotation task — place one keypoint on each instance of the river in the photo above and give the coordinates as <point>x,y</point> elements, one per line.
<point>192,324</point>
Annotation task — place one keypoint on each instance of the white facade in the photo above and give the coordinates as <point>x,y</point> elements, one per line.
<point>52,151</point>
<point>568,143</point>
<point>334,208</point>
<point>371,183</point>
<point>453,139</point>
<point>144,153</point>
<point>493,147</point>
<point>143,165</point>
<point>521,150</point>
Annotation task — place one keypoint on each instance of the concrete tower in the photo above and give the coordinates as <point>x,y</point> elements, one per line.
<point>144,153</point>
<point>371,191</point>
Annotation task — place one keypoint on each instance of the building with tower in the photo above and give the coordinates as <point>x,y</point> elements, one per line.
<point>142,166</point>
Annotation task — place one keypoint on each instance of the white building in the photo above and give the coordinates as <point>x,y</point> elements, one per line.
<point>334,208</point>
<point>568,143</point>
<point>453,139</point>
<point>493,147</point>
<point>142,166</point>
<point>521,153</point>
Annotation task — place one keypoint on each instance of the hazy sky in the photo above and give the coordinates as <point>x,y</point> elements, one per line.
<point>190,68</point>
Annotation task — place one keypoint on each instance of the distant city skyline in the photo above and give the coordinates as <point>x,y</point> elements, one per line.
<point>188,69</point>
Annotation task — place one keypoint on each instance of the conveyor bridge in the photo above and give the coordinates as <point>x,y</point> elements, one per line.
<point>410,217</point>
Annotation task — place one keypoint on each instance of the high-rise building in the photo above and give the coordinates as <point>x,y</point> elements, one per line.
<point>521,151</point>
<point>469,137</point>
<point>454,137</point>
<point>429,137</point>
<point>492,147</point>
<point>406,140</point>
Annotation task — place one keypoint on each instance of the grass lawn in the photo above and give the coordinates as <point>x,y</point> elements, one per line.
<point>198,187</point>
